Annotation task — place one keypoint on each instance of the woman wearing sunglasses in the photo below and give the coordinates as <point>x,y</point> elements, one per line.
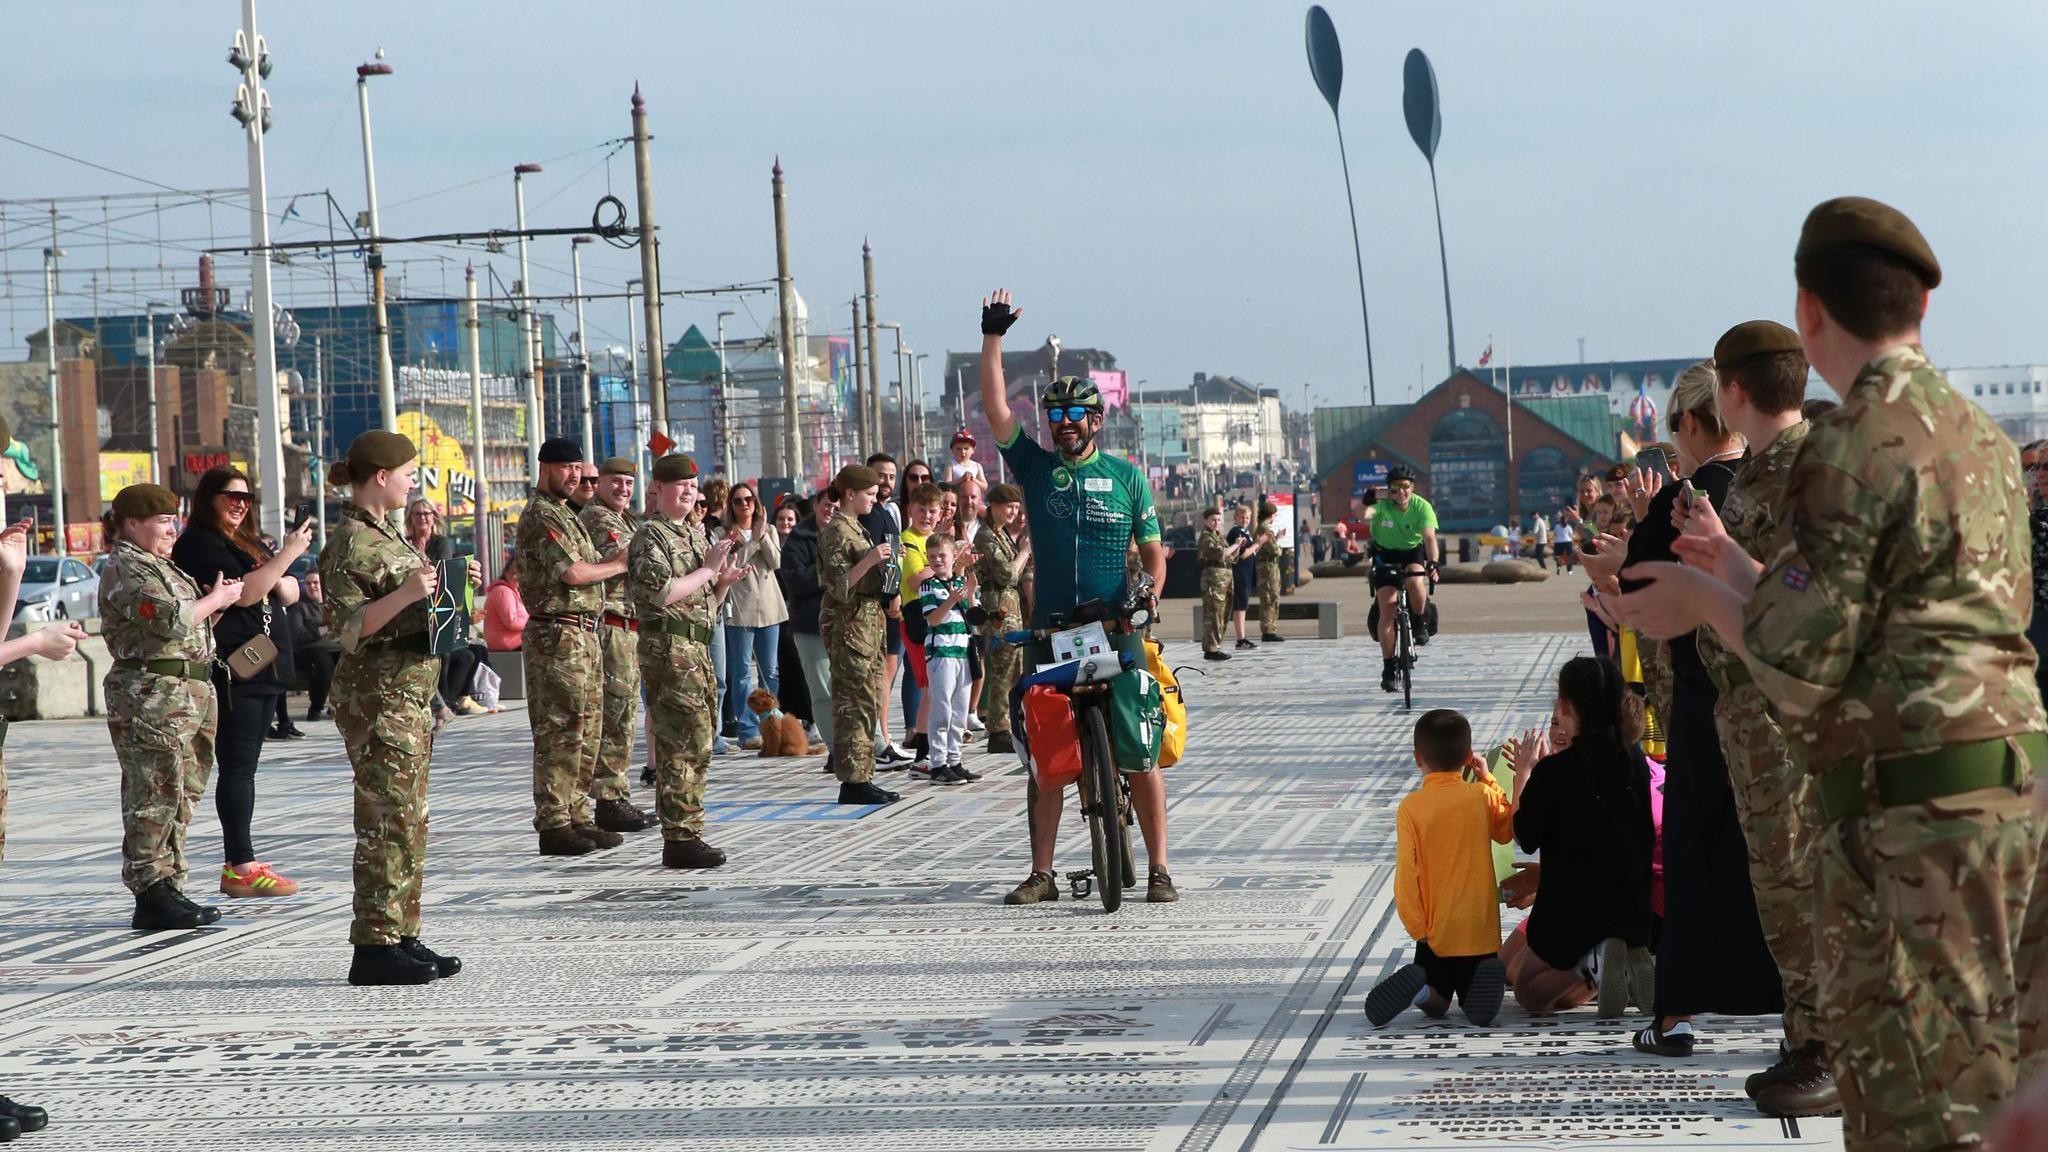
<point>754,610</point>
<point>222,539</point>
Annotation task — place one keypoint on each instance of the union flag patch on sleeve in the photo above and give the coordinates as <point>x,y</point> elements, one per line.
<point>1796,578</point>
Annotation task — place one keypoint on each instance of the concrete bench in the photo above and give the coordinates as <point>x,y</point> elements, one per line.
<point>1326,613</point>
<point>511,668</point>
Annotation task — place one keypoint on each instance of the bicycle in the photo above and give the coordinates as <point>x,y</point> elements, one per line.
<point>1404,619</point>
<point>1105,794</point>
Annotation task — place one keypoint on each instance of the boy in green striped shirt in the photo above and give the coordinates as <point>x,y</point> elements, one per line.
<point>948,677</point>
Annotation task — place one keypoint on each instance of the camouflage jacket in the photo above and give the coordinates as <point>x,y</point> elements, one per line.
<point>996,580</point>
<point>1892,609</point>
<point>661,551</point>
<point>1209,549</point>
<point>1756,503</point>
<point>149,609</point>
<point>550,539</point>
<point>366,560</point>
<point>1269,552</point>
<point>610,531</point>
<point>840,547</point>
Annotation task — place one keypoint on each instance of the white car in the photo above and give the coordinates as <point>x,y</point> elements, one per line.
<point>58,588</point>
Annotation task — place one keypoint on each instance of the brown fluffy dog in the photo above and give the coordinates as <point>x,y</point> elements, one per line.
<point>780,735</point>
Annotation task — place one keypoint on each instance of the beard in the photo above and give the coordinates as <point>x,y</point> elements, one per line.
<point>1073,439</point>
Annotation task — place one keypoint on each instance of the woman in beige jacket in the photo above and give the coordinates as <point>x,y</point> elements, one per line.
<point>754,609</point>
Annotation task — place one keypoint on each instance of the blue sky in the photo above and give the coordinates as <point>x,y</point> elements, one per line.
<point>1156,178</point>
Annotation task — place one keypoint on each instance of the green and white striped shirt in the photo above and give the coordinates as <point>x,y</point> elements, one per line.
<point>947,639</point>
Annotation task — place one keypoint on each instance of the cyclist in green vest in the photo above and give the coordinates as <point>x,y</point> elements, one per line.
<point>1404,539</point>
<point>1085,508</point>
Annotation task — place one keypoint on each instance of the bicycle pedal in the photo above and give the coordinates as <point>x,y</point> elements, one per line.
<point>1082,884</point>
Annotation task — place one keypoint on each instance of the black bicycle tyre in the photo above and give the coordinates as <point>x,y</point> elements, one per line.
<point>1403,623</point>
<point>1100,800</point>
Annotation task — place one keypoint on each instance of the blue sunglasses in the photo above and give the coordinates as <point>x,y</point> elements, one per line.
<point>1070,415</point>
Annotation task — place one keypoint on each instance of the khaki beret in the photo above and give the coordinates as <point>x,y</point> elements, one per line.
<point>142,501</point>
<point>380,449</point>
<point>1753,338</point>
<point>617,466</point>
<point>673,467</point>
<point>1860,224</point>
<point>854,478</point>
<point>561,450</point>
<point>1006,494</point>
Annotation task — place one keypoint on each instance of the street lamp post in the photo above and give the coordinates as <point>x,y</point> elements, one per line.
<point>481,503</point>
<point>527,354</point>
<point>50,258</point>
<point>902,400</point>
<point>387,395</point>
<point>917,400</point>
<point>576,244</point>
<point>148,349</point>
<point>250,56</point>
<point>724,422</point>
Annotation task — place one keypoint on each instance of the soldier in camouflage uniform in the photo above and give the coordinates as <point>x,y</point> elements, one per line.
<point>675,580</point>
<point>1762,372</point>
<point>1216,557</point>
<point>1887,627</point>
<point>159,698</point>
<point>851,622</point>
<point>609,520</point>
<point>377,589</point>
<point>1269,577</point>
<point>561,581</point>
<point>998,567</point>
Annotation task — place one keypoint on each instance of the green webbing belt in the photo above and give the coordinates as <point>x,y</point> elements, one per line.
<point>1923,776</point>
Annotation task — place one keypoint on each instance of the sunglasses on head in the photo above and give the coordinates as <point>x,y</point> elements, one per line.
<point>1076,415</point>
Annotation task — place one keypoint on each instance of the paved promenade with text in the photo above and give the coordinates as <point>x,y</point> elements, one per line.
<point>849,981</point>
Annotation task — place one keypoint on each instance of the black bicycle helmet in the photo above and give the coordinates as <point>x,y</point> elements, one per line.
<point>1072,391</point>
<point>1400,472</point>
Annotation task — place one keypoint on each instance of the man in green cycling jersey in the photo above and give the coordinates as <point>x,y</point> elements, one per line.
<point>1404,536</point>
<point>1085,509</point>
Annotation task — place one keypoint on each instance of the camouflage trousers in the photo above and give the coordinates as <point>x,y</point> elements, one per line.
<point>1269,598</point>
<point>1921,944</point>
<point>1780,817</point>
<point>1215,606</point>
<point>1000,667</point>
<point>853,642</point>
<point>682,713</point>
<point>163,729</point>
<point>620,653</point>
<point>565,709</point>
<point>382,709</point>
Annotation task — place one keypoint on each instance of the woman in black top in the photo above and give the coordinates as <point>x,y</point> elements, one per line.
<point>1241,547</point>
<point>1587,810</point>
<point>1711,956</point>
<point>222,539</point>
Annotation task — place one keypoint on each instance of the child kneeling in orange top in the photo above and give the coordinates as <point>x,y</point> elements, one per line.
<point>1444,884</point>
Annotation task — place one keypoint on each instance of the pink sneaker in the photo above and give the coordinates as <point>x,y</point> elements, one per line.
<point>255,880</point>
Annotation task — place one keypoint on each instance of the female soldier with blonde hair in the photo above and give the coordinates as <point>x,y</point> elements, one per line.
<point>378,588</point>
<point>160,703</point>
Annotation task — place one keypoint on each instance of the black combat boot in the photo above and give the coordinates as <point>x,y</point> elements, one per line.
<point>599,838</point>
<point>443,965</point>
<point>29,1117</point>
<point>622,816</point>
<point>865,793</point>
<point>564,842</point>
<point>1806,1087</point>
<point>1001,742</point>
<point>690,852</point>
<point>378,964</point>
<point>161,907</point>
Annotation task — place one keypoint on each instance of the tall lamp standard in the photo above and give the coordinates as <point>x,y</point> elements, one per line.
<point>902,400</point>
<point>387,395</point>
<point>50,258</point>
<point>917,400</point>
<point>724,425</point>
<point>527,353</point>
<point>250,56</point>
<point>576,244</point>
